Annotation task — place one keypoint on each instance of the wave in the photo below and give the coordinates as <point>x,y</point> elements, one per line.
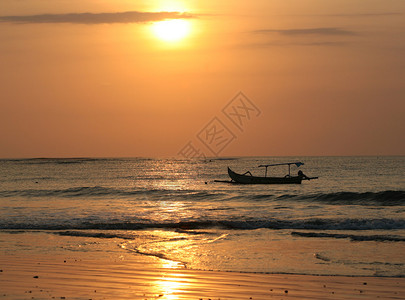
<point>95,234</point>
<point>58,161</point>
<point>352,237</point>
<point>34,179</point>
<point>383,198</point>
<point>99,191</point>
<point>70,192</point>
<point>223,158</point>
<point>275,224</point>
<point>73,160</point>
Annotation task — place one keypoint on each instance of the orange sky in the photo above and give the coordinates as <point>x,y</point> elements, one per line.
<point>96,78</point>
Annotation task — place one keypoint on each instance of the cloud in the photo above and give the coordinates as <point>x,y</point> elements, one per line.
<point>319,36</point>
<point>325,31</point>
<point>385,14</point>
<point>96,18</point>
<point>293,44</point>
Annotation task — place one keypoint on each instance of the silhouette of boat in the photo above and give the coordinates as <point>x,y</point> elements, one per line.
<point>248,178</point>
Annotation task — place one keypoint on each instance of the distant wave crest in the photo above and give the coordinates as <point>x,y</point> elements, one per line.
<point>57,161</point>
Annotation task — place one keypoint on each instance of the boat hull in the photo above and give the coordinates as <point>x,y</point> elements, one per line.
<point>248,179</point>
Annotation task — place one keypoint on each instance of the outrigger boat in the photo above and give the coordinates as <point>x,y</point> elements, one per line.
<point>248,178</point>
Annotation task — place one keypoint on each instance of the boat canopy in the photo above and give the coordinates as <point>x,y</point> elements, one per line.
<point>297,163</point>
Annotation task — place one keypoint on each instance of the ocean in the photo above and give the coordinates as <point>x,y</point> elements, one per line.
<point>349,221</point>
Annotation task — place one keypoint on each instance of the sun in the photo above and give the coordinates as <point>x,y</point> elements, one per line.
<point>171,30</point>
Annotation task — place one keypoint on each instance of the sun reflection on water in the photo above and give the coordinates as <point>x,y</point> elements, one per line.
<point>171,285</point>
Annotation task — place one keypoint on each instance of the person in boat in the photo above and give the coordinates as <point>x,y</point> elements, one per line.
<point>302,175</point>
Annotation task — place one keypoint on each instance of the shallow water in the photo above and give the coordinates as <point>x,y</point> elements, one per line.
<point>350,221</point>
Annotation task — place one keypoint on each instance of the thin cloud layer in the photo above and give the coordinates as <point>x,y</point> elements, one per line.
<point>384,14</point>
<point>325,31</point>
<point>97,18</point>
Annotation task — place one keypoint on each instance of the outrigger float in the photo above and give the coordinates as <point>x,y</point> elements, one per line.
<point>248,178</point>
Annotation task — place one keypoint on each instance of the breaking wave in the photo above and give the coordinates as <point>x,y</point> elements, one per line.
<point>383,198</point>
<point>275,224</point>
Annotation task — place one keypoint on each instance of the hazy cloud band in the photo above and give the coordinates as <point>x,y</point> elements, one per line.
<point>384,14</point>
<point>308,31</point>
<point>97,18</point>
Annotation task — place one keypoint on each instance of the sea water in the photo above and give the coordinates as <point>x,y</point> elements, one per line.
<point>349,221</point>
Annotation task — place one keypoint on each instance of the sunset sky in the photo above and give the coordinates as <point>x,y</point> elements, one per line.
<point>106,78</point>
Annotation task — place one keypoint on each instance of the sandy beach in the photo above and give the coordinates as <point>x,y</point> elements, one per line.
<point>58,277</point>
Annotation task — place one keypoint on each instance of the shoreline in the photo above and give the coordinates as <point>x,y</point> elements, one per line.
<point>115,247</point>
<point>79,276</point>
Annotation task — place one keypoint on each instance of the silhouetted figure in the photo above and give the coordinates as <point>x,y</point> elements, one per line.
<point>302,175</point>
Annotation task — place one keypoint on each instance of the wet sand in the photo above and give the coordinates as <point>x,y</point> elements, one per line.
<point>42,276</point>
